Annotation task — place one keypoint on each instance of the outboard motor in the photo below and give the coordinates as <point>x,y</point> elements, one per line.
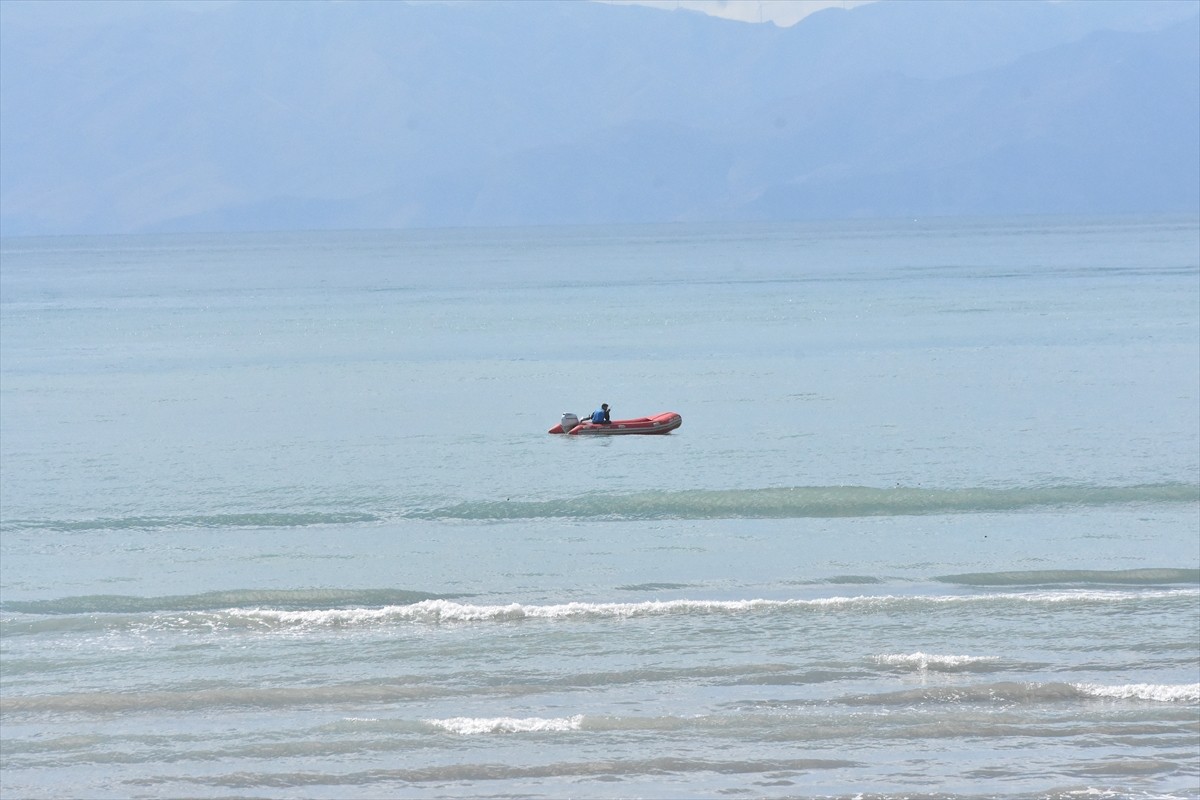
<point>568,421</point>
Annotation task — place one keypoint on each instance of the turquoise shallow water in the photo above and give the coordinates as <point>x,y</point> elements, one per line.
<point>279,515</point>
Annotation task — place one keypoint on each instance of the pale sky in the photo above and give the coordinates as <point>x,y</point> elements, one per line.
<point>780,12</point>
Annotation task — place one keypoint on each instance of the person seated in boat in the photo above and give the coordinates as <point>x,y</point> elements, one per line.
<point>601,415</point>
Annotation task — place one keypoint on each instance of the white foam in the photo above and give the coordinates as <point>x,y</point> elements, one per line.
<point>469,726</point>
<point>432,611</point>
<point>1163,693</point>
<point>333,617</point>
<point>440,611</point>
<point>924,662</point>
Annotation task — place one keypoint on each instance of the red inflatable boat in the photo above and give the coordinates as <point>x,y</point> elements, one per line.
<point>659,423</point>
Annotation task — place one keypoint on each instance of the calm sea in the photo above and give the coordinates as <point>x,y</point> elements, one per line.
<point>279,515</point>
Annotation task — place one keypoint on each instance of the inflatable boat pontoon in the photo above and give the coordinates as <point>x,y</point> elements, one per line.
<point>659,423</point>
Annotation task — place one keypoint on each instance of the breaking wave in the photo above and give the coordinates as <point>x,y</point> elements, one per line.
<point>50,616</point>
<point>926,662</point>
<point>1162,693</point>
<point>467,726</point>
<point>1014,693</point>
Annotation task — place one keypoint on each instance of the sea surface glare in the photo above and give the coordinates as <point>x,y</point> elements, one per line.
<point>280,518</point>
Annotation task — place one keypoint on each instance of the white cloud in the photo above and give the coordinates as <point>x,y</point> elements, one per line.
<point>780,12</point>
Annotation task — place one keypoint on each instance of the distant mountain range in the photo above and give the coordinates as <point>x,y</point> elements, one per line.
<point>259,115</point>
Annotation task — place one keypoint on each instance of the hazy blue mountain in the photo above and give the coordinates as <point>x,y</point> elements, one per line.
<point>260,115</point>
